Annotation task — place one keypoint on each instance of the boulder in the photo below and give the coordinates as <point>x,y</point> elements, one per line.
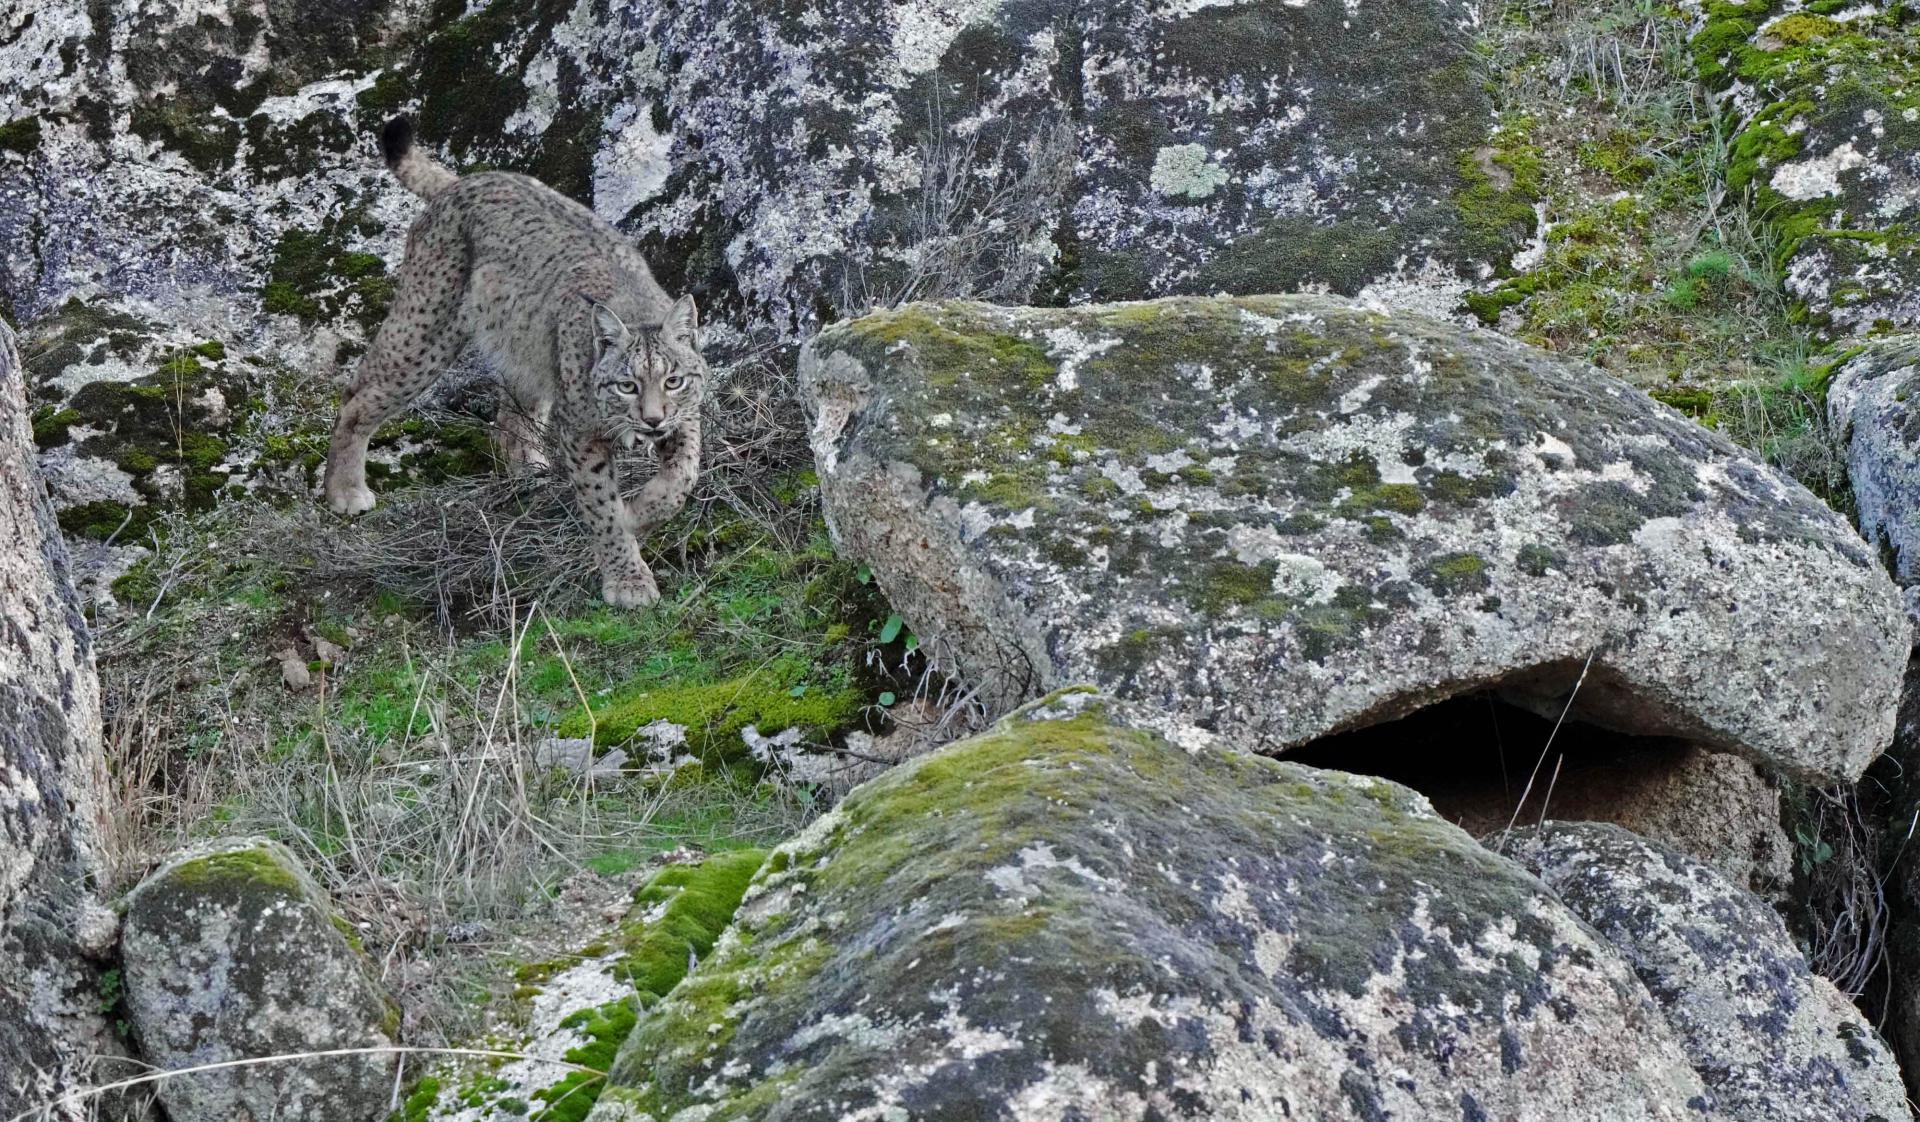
<point>1868,403</point>
<point>1071,917</point>
<point>54,933</point>
<point>1284,516</point>
<point>1025,149</point>
<point>230,951</point>
<point>1773,1041</point>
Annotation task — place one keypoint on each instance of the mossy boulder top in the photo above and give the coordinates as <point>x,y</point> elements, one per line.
<point>1874,399</point>
<point>1773,1040</point>
<point>230,951</point>
<point>1068,917</point>
<point>1279,517</point>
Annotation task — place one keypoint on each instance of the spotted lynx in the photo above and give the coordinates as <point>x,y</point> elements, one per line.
<point>574,322</point>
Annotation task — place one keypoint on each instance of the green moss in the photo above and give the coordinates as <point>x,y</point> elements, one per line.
<point>314,277</point>
<point>22,136</point>
<point>419,1105</point>
<point>1452,574</point>
<point>714,714</point>
<point>254,867</point>
<point>699,902</point>
<point>209,143</point>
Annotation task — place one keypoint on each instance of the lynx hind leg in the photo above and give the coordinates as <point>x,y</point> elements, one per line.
<point>422,333</point>
<point>523,432</point>
<point>625,580</point>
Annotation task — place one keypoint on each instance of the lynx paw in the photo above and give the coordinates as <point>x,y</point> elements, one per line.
<point>629,592</point>
<point>350,500</point>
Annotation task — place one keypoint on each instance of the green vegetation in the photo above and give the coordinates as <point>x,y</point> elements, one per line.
<point>315,276</point>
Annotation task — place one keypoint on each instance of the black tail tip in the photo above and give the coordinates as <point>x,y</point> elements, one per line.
<point>396,138</point>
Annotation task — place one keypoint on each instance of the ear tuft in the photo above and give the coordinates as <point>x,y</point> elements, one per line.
<point>683,322</point>
<point>607,327</point>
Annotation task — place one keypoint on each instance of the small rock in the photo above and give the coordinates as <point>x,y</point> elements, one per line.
<point>230,951</point>
<point>293,669</point>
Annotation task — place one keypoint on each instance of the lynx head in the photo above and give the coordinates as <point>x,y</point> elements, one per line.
<point>647,378</point>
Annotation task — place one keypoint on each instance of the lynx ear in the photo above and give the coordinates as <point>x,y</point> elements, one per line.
<point>608,330</point>
<point>683,323</point>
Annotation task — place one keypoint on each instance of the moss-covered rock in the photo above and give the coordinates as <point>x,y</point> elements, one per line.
<point>1827,150</point>
<point>1771,1039</point>
<point>230,951</point>
<point>579,1009</point>
<point>708,720</point>
<point>1321,516</point>
<point>1069,917</point>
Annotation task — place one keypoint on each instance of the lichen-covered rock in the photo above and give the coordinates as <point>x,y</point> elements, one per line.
<point>51,762</point>
<point>1068,917</point>
<point>1827,149</point>
<point>579,1009</point>
<point>1772,1041</point>
<point>230,951</point>
<point>1871,399</point>
<point>1284,516</point>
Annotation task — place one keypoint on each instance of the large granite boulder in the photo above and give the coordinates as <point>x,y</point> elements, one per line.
<point>1285,516</point>
<point>1068,917</point>
<point>1773,1041</point>
<point>230,951</point>
<point>789,162</point>
<point>1041,149</point>
<point>54,934</point>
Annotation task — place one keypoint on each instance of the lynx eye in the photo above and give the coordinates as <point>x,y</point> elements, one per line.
<point>675,382</point>
<point>628,387</point>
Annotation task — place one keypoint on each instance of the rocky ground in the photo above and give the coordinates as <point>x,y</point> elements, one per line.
<point>1498,411</point>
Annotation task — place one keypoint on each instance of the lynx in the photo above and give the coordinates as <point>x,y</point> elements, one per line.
<point>570,316</point>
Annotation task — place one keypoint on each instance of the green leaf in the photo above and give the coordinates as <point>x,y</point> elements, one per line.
<point>891,629</point>
<point>913,642</point>
<point>863,574</point>
<point>797,691</point>
<point>887,699</point>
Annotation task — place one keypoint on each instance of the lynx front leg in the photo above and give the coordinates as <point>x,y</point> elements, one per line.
<point>625,580</point>
<point>667,491</point>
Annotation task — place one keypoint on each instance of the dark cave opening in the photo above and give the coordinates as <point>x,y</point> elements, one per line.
<point>1484,763</point>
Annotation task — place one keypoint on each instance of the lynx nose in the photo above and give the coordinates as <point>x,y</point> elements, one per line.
<point>650,421</point>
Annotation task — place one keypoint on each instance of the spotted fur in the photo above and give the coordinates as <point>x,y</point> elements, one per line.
<point>589,345</point>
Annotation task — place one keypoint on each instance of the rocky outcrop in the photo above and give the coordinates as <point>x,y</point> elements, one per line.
<point>1070,917</point>
<point>230,952</point>
<point>1285,516</point>
<point>1827,150</point>
<point>52,930</point>
<point>1772,1041</point>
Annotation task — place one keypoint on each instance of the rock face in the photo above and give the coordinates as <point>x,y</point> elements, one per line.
<point>1868,400</point>
<point>231,952</point>
<point>1773,1041</point>
<point>50,765</point>
<point>1067,917</point>
<point>1285,516</point>
<point>1827,150</point>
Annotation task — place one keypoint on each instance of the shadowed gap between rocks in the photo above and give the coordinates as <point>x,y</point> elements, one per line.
<point>1473,756</point>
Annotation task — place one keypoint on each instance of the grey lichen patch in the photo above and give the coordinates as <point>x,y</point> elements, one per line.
<point>1069,916</point>
<point>1875,399</point>
<point>1331,516</point>
<point>230,951</point>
